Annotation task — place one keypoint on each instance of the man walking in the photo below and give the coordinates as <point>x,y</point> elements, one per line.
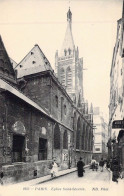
<point>101,164</point>
<point>80,167</point>
<point>115,169</point>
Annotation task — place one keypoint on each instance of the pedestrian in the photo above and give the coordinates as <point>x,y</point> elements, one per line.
<point>115,169</point>
<point>80,167</point>
<point>96,166</point>
<point>54,170</point>
<point>105,163</point>
<point>121,171</point>
<point>93,164</point>
<point>101,164</point>
<point>1,177</point>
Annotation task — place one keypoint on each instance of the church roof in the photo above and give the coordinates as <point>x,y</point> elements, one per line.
<point>34,62</point>
<point>68,40</point>
<point>6,68</point>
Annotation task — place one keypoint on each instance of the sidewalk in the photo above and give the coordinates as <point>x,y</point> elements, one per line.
<point>43,179</point>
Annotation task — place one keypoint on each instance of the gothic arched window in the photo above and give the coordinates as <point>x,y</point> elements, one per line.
<point>78,134</point>
<point>62,76</point>
<point>82,138</point>
<point>57,137</point>
<point>65,140</point>
<point>68,78</point>
<point>56,101</point>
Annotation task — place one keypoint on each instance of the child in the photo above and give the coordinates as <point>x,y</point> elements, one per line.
<point>54,169</point>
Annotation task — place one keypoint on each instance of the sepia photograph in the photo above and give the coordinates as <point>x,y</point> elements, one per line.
<point>61,97</point>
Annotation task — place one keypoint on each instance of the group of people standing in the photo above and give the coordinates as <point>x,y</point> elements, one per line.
<point>111,165</point>
<point>95,164</point>
<point>116,169</point>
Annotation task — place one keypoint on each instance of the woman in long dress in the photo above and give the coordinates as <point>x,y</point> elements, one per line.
<point>54,170</point>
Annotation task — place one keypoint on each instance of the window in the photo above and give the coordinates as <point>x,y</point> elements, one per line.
<point>78,135</point>
<point>18,148</point>
<point>56,101</point>
<point>42,149</point>
<point>33,62</point>
<point>69,78</point>
<point>62,100</point>
<point>65,109</point>
<point>82,141</point>
<point>65,140</point>
<point>57,137</point>
<point>62,77</point>
<point>97,149</point>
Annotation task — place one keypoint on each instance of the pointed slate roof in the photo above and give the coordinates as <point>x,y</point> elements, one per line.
<point>68,40</point>
<point>6,68</point>
<point>14,64</point>
<point>34,62</point>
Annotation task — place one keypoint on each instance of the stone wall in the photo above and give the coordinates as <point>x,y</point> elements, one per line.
<point>18,172</point>
<point>38,89</point>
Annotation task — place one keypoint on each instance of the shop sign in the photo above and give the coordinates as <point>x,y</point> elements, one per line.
<point>117,124</point>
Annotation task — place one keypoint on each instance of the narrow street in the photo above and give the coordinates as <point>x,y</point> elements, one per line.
<point>89,177</point>
<point>92,183</point>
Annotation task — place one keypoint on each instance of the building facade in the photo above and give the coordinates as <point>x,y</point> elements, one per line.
<point>116,105</point>
<point>100,135</point>
<point>39,121</point>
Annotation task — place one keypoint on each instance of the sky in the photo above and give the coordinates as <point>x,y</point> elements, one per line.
<point>94,25</point>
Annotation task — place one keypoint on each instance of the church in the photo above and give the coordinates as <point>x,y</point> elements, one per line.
<point>43,115</point>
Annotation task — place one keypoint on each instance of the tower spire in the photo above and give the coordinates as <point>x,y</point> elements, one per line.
<point>69,16</point>
<point>68,44</point>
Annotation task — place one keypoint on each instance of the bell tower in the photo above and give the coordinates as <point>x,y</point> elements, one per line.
<point>68,65</point>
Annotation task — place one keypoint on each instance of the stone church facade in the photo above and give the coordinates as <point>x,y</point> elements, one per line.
<point>39,121</point>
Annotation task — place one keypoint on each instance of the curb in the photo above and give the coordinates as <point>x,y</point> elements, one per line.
<point>50,179</point>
